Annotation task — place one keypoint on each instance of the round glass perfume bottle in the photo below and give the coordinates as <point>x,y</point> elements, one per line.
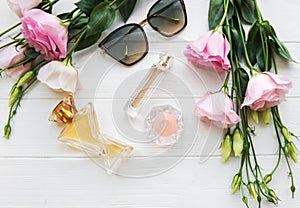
<point>164,125</point>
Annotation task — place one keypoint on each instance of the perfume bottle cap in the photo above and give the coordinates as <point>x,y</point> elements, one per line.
<point>64,111</point>
<point>165,62</point>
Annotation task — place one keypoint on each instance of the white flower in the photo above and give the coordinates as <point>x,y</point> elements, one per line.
<point>59,76</point>
<point>19,6</point>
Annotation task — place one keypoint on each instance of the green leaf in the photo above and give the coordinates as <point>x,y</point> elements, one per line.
<point>243,79</point>
<point>253,43</point>
<point>86,6</point>
<point>215,13</point>
<point>31,53</point>
<point>126,8</point>
<point>248,11</point>
<point>268,29</point>
<point>101,18</point>
<point>230,11</point>
<point>237,43</point>
<point>88,41</point>
<point>261,60</point>
<point>283,51</point>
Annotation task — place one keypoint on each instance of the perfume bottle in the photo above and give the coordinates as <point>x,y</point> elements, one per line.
<point>164,125</point>
<point>148,85</point>
<point>84,134</point>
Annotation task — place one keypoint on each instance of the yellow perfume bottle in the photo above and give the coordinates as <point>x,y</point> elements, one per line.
<point>84,134</point>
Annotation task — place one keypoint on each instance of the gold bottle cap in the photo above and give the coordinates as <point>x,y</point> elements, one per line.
<point>64,111</point>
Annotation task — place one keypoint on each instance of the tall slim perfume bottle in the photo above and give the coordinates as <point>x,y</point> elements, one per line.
<point>148,85</point>
<point>84,134</point>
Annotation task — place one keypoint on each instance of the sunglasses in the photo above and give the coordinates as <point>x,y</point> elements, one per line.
<point>128,44</point>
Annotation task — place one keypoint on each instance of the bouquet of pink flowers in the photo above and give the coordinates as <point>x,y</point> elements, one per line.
<point>255,91</point>
<point>41,45</point>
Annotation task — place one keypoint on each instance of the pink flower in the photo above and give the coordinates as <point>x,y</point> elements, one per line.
<point>217,109</point>
<point>209,52</point>
<point>59,76</point>
<point>46,33</point>
<point>266,90</point>
<point>10,55</point>
<point>19,6</point>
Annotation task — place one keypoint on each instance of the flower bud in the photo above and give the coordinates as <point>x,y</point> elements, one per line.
<point>252,190</point>
<point>238,143</point>
<point>245,200</point>
<point>292,151</point>
<point>254,115</point>
<point>267,178</point>
<point>272,194</point>
<point>14,96</point>
<point>7,130</point>
<point>266,115</point>
<point>236,183</point>
<point>286,149</point>
<point>293,189</point>
<point>25,78</point>
<point>270,199</point>
<point>286,134</point>
<point>226,148</point>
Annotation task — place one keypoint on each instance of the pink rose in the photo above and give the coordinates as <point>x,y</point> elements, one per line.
<point>20,6</point>
<point>10,55</point>
<point>266,90</point>
<point>46,33</point>
<point>217,109</point>
<point>209,52</point>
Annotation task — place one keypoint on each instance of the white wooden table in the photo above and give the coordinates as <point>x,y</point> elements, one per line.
<point>38,171</point>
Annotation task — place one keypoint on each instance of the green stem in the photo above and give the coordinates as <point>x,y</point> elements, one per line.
<point>50,4</point>
<point>25,60</point>
<point>225,85</point>
<point>226,4</point>
<point>259,15</point>
<point>74,18</point>
<point>17,35</point>
<point>252,69</point>
<point>14,107</point>
<point>275,113</point>
<point>120,5</point>
<point>265,49</point>
<point>8,44</point>
<point>82,35</point>
<point>275,65</point>
<point>112,3</point>
<point>9,29</point>
<point>279,142</point>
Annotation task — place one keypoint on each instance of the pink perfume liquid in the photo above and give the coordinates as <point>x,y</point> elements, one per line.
<point>165,124</point>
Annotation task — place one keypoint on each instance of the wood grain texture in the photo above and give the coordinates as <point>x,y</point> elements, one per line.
<point>38,171</point>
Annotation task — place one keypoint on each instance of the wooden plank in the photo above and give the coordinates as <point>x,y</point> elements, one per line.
<point>34,136</point>
<point>49,182</point>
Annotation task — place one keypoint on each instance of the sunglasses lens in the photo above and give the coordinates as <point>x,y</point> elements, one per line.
<point>168,17</point>
<point>127,44</point>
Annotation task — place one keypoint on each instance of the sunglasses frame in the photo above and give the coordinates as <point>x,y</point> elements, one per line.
<point>101,44</point>
<point>154,28</point>
<point>140,26</point>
